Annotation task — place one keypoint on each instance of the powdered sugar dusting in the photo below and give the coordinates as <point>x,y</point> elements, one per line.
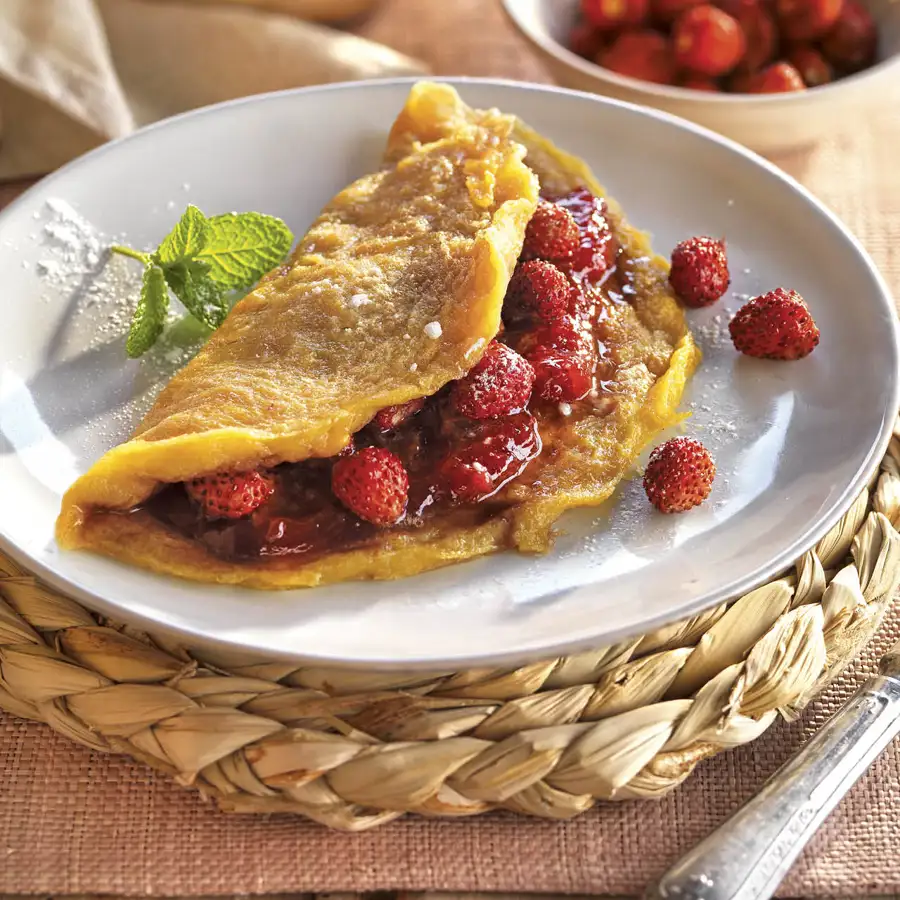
<point>50,268</point>
<point>71,239</point>
<point>715,410</point>
<point>714,333</point>
<point>97,292</point>
<point>78,264</point>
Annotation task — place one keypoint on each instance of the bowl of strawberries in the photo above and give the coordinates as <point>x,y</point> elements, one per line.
<point>775,75</point>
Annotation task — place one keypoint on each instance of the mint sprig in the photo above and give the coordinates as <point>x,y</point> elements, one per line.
<point>200,261</point>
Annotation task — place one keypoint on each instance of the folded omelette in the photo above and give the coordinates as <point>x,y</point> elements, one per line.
<point>392,296</point>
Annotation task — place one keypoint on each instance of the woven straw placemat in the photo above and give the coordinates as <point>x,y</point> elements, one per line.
<point>73,820</point>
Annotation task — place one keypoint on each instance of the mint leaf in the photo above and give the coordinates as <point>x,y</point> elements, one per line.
<point>240,248</point>
<point>150,315</point>
<point>200,261</point>
<point>201,296</point>
<point>186,240</point>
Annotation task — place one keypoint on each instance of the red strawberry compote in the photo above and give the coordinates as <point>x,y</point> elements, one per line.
<point>595,257</point>
<point>464,455</point>
<point>567,353</point>
<point>454,467</point>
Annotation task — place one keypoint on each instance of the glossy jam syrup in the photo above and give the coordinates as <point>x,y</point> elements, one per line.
<point>595,259</point>
<point>301,517</point>
<point>479,467</point>
<point>571,357</point>
<point>304,518</point>
<point>458,469</point>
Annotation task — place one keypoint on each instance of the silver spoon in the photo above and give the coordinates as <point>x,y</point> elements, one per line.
<point>747,857</point>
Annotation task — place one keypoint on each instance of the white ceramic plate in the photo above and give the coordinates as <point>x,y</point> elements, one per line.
<point>794,442</point>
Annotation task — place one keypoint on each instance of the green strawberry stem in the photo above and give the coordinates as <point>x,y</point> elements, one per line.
<point>134,254</point>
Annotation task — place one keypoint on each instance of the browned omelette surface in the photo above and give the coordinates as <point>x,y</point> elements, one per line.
<point>306,359</point>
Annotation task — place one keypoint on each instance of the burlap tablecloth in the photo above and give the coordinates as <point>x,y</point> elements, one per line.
<point>73,821</point>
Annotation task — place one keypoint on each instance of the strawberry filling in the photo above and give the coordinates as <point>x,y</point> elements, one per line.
<point>596,254</point>
<point>452,457</point>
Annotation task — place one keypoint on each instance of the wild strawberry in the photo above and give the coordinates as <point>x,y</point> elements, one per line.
<point>561,376</point>
<point>500,452</point>
<point>349,448</point>
<point>646,55</point>
<point>812,66</point>
<point>538,287</point>
<point>807,20</point>
<point>467,480</point>
<point>392,417</point>
<point>699,83</point>
<point>373,484</point>
<point>582,301</point>
<point>611,15</point>
<point>565,335</point>
<point>596,252</point>
<point>699,273</point>
<point>779,78</point>
<point>777,325</point>
<point>499,384</point>
<point>551,234</point>
<point>852,42</point>
<point>230,495</point>
<point>759,31</point>
<point>665,12</point>
<point>585,40</point>
<point>679,475</point>
<point>708,41</point>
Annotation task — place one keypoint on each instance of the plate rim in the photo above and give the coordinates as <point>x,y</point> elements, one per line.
<point>761,576</point>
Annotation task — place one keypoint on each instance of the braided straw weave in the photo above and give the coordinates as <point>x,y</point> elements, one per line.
<point>354,750</point>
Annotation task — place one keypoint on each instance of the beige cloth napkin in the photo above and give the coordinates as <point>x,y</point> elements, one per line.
<point>75,73</point>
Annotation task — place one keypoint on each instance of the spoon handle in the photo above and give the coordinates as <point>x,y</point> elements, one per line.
<point>747,857</point>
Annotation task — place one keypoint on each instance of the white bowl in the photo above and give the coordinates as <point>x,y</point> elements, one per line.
<point>767,123</point>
